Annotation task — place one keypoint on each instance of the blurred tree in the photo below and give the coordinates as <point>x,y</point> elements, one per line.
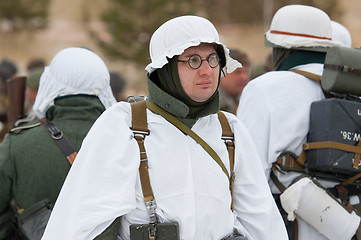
<point>131,23</point>
<point>23,14</point>
<point>261,11</point>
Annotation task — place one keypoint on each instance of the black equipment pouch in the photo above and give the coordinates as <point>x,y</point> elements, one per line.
<point>32,221</point>
<point>163,231</point>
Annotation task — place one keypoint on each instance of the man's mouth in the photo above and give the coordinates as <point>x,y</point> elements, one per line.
<point>204,83</point>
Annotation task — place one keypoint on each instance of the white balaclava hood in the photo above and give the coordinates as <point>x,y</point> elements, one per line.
<point>180,33</point>
<point>73,71</point>
<point>295,26</point>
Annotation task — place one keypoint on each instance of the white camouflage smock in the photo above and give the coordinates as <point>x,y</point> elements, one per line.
<point>275,108</point>
<point>189,186</point>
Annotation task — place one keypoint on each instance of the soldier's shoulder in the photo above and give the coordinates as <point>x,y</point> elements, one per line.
<point>24,124</point>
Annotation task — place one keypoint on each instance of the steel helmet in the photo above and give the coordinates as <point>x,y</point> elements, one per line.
<point>300,26</point>
<point>180,33</point>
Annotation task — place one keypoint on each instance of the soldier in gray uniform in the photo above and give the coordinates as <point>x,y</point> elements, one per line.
<point>74,90</point>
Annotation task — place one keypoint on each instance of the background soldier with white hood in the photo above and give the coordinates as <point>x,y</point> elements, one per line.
<point>188,185</point>
<point>74,90</point>
<point>275,107</point>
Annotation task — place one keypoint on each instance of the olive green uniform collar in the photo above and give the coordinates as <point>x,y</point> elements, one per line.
<point>176,107</point>
<point>72,105</point>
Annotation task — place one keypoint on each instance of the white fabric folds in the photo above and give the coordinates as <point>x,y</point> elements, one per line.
<point>180,33</point>
<point>188,185</point>
<point>73,71</point>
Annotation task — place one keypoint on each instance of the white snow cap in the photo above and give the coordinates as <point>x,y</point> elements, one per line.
<point>73,71</point>
<point>340,34</point>
<point>295,26</point>
<point>180,33</point>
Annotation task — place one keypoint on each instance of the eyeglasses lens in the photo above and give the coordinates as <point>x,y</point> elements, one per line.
<point>195,61</point>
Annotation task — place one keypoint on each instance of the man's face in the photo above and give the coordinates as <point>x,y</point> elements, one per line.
<point>199,84</point>
<point>233,83</point>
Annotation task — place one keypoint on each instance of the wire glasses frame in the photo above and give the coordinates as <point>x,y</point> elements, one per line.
<point>195,61</point>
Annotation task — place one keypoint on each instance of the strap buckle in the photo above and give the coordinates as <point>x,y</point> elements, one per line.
<point>141,134</point>
<point>287,161</point>
<point>278,168</point>
<point>151,206</point>
<point>55,132</point>
<point>227,139</point>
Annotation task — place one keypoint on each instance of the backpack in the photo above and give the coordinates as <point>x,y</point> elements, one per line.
<point>333,147</point>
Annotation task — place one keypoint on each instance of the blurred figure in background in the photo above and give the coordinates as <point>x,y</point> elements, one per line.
<point>35,63</point>
<point>263,67</point>
<point>32,85</point>
<point>8,69</point>
<point>341,35</point>
<point>34,161</point>
<point>118,84</point>
<point>232,84</point>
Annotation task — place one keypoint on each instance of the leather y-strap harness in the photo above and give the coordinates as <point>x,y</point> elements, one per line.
<point>140,130</point>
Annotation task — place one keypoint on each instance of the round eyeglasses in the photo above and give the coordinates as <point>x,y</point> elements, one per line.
<point>195,61</point>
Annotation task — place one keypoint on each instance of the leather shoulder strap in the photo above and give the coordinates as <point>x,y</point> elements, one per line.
<point>60,139</point>
<point>139,116</point>
<point>228,138</point>
<point>186,130</point>
<point>277,182</point>
<point>140,130</point>
<point>314,77</point>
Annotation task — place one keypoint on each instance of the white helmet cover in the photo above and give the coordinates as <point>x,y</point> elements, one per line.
<point>296,26</point>
<point>180,33</point>
<point>73,71</point>
<point>340,34</point>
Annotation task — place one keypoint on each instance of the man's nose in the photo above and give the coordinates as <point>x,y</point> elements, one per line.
<point>205,68</point>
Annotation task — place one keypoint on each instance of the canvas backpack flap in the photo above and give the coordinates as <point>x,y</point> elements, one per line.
<point>342,71</point>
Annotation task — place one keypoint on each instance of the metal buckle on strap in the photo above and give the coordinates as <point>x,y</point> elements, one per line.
<point>140,133</point>
<point>55,132</point>
<point>227,139</point>
<point>287,159</point>
<point>143,133</point>
<point>151,206</point>
<point>278,167</point>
